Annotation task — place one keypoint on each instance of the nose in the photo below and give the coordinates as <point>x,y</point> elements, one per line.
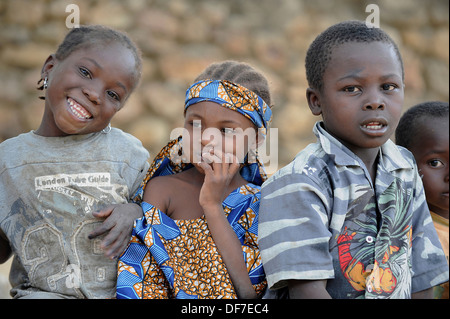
<point>374,106</point>
<point>207,138</point>
<point>92,95</point>
<point>211,139</point>
<point>210,136</point>
<point>374,101</point>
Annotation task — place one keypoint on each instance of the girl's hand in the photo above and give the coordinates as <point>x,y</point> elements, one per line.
<point>219,169</point>
<point>218,177</point>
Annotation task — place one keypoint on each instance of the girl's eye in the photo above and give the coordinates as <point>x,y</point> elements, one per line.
<point>228,130</point>
<point>85,72</point>
<point>435,163</point>
<point>389,87</point>
<point>196,124</point>
<point>113,95</point>
<point>351,89</point>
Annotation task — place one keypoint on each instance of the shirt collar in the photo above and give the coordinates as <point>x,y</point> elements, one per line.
<point>391,157</point>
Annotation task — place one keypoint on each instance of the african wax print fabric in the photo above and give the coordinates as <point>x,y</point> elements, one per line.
<point>168,161</point>
<point>178,258</point>
<point>234,97</point>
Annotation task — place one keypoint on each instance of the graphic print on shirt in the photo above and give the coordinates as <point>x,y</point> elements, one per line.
<point>55,249</point>
<point>378,262</point>
<point>74,185</point>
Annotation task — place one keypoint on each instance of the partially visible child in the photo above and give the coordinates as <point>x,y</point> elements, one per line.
<point>58,182</point>
<point>198,238</point>
<point>424,130</point>
<point>348,218</point>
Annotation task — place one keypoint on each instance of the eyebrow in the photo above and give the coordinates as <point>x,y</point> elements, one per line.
<point>355,75</point>
<point>224,121</point>
<point>229,121</point>
<point>101,68</point>
<point>94,62</point>
<point>122,86</point>
<point>352,75</point>
<point>436,151</point>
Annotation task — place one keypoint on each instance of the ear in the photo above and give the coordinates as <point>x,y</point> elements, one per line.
<point>48,65</point>
<point>313,99</point>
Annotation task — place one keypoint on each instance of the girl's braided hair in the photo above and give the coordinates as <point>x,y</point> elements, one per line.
<point>84,36</point>
<point>240,73</point>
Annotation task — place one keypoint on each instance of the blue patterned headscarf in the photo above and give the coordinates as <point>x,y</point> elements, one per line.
<point>232,96</point>
<point>229,95</point>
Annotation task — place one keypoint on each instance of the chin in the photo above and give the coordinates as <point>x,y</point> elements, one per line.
<point>375,142</point>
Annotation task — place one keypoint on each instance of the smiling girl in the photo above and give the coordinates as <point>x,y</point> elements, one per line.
<point>55,179</point>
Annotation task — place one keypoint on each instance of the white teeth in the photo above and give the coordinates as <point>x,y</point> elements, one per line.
<point>373,126</point>
<point>78,110</point>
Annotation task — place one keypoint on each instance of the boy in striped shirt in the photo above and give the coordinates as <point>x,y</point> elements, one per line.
<point>348,217</point>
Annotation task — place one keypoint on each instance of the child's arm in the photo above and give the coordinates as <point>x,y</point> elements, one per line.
<point>231,251</point>
<point>217,180</point>
<point>308,289</point>
<point>5,249</point>
<point>119,221</point>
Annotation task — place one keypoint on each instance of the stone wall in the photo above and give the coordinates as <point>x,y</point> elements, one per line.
<point>178,38</point>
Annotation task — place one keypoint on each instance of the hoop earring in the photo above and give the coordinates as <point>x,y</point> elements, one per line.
<point>45,83</point>
<point>107,129</point>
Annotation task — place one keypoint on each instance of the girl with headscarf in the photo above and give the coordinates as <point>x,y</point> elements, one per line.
<point>198,236</point>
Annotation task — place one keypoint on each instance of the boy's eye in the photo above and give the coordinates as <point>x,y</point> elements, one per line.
<point>388,87</point>
<point>351,89</point>
<point>85,72</point>
<point>435,163</point>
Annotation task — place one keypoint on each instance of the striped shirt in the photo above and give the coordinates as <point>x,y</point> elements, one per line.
<point>321,218</point>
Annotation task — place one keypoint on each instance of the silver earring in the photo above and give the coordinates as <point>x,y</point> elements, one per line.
<point>45,83</point>
<point>107,129</point>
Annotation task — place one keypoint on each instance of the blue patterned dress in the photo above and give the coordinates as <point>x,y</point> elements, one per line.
<point>169,258</point>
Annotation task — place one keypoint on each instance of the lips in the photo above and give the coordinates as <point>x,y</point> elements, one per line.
<point>373,126</point>
<point>78,110</point>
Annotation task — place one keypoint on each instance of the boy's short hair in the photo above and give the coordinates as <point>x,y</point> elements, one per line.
<point>319,52</point>
<point>408,125</point>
